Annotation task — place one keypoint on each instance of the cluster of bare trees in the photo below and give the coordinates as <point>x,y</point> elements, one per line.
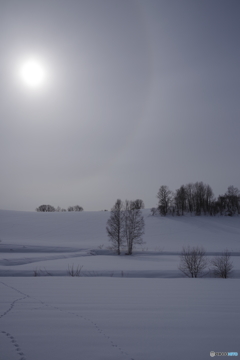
<point>50,208</point>
<point>45,208</point>
<point>75,208</point>
<point>194,263</point>
<point>197,198</point>
<point>125,226</point>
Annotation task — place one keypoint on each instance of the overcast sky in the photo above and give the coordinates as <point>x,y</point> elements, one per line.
<point>137,94</point>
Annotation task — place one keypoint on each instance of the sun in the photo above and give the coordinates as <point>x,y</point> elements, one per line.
<point>32,73</point>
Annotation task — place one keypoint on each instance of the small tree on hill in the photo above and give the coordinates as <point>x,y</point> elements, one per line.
<point>78,208</point>
<point>115,226</point>
<point>164,196</point>
<point>154,211</point>
<point>180,200</point>
<point>75,208</point>
<point>45,208</point>
<point>232,200</point>
<point>137,204</point>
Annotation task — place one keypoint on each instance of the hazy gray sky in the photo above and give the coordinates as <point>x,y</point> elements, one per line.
<point>137,94</point>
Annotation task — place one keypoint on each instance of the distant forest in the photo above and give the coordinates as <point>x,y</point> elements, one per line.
<point>50,208</point>
<point>194,198</point>
<point>197,199</point>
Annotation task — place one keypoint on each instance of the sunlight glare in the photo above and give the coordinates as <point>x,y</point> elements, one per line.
<point>32,73</point>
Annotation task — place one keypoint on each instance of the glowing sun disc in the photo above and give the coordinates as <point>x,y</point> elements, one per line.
<point>32,73</point>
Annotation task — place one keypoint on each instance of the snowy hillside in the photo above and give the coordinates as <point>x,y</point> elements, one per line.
<point>53,241</point>
<point>121,307</point>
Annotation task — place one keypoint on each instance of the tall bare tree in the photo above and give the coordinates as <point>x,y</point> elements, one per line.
<point>232,197</point>
<point>209,199</point>
<point>190,197</point>
<point>180,200</point>
<point>115,226</point>
<point>133,226</point>
<point>164,196</point>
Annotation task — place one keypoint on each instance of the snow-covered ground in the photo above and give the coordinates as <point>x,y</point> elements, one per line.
<point>121,307</point>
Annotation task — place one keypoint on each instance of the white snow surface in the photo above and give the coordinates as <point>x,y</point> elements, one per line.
<point>138,307</point>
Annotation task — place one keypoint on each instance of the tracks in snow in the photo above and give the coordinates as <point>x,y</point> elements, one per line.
<point>15,344</point>
<point>8,335</point>
<point>99,330</point>
<point>12,305</point>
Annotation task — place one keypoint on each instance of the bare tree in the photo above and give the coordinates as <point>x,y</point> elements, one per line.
<point>138,204</point>
<point>222,265</point>
<point>133,226</point>
<point>115,226</point>
<point>75,208</point>
<point>78,208</point>
<point>232,197</point>
<point>180,200</point>
<point>164,195</point>
<point>209,199</point>
<point>45,208</point>
<point>154,211</point>
<point>199,197</point>
<point>190,196</point>
<point>193,261</point>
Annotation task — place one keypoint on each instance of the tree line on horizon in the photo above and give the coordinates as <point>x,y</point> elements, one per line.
<point>194,198</point>
<point>50,208</point>
<point>197,199</point>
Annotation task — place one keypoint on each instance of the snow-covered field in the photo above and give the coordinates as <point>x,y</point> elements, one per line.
<point>121,307</point>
